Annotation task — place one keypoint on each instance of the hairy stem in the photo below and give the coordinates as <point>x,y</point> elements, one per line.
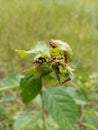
<point>81,118</point>
<point>43,111</point>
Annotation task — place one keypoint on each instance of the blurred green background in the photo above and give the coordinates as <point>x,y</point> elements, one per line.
<point>22,22</point>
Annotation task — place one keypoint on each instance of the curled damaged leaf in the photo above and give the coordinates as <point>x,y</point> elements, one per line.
<point>37,50</point>
<point>40,48</point>
<point>62,53</point>
<point>63,47</point>
<point>47,60</point>
<point>39,69</point>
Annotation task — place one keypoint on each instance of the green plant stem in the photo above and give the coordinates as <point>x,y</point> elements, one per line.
<point>81,118</point>
<point>43,111</point>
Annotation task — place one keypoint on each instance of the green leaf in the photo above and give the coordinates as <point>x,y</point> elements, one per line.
<point>30,87</point>
<point>89,126</point>
<point>7,98</point>
<point>24,120</point>
<point>49,79</point>
<point>37,50</point>
<point>76,95</point>
<point>62,108</point>
<point>23,53</point>
<point>91,122</point>
<point>12,81</point>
